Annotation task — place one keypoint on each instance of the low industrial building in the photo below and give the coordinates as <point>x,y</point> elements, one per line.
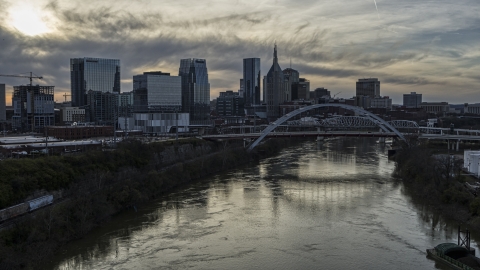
<point>32,146</point>
<point>72,114</point>
<point>472,108</point>
<point>156,123</point>
<point>79,132</point>
<point>437,108</point>
<point>381,102</point>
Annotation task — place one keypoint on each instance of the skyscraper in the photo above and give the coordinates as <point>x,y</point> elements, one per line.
<point>301,89</point>
<point>157,91</point>
<point>251,81</point>
<point>96,74</point>
<point>3,109</point>
<point>275,87</point>
<point>368,87</point>
<point>291,77</point>
<point>195,88</point>
<point>412,100</point>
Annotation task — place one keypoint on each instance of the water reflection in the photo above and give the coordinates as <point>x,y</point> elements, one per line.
<point>333,205</point>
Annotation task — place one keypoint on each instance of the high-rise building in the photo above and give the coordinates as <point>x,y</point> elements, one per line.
<point>301,89</point>
<point>275,87</point>
<point>125,103</point>
<point>3,106</point>
<point>241,91</point>
<point>95,74</point>
<point>368,87</point>
<point>230,104</point>
<point>195,88</point>
<point>251,81</point>
<point>102,107</point>
<point>157,91</point>
<point>292,77</point>
<point>412,100</point>
<point>33,107</point>
<point>319,93</point>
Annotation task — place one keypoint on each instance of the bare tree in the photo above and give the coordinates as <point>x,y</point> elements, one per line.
<point>49,219</point>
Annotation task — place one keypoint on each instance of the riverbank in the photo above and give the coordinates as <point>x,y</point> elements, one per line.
<point>277,213</point>
<point>97,185</point>
<point>436,181</point>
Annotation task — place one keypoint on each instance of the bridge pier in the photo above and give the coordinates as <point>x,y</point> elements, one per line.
<point>454,146</point>
<point>382,139</point>
<point>320,138</point>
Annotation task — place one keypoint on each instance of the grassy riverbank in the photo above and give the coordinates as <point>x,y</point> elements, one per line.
<point>436,179</point>
<point>98,184</point>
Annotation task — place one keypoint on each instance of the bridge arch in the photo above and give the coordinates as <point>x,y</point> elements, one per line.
<point>384,125</point>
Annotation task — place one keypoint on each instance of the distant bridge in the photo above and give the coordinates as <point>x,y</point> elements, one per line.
<point>382,124</point>
<point>301,134</point>
<point>345,123</point>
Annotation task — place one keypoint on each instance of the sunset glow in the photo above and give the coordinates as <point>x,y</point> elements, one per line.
<point>28,20</point>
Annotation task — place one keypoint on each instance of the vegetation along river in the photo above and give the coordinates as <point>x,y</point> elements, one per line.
<point>334,205</point>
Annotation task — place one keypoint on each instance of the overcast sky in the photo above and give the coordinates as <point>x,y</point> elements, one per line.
<point>430,47</point>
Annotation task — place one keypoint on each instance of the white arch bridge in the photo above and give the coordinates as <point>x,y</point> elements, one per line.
<point>365,120</point>
<point>368,116</point>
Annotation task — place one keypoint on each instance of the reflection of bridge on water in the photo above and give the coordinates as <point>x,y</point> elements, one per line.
<point>333,197</point>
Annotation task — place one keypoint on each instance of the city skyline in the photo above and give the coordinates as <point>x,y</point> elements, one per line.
<point>429,48</point>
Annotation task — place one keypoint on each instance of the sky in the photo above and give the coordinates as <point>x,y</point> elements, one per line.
<point>429,47</point>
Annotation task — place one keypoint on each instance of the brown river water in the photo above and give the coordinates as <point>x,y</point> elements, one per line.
<point>333,205</point>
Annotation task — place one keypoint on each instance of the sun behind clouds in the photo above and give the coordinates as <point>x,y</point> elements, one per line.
<point>29,20</point>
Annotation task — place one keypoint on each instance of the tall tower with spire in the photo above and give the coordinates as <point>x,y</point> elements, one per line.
<point>274,88</point>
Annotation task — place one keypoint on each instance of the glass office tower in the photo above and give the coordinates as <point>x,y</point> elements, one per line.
<point>195,88</point>
<point>96,74</point>
<point>251,81</point>
<point>157,91</point>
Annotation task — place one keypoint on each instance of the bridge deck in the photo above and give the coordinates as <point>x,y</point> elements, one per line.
<point>300,134</point>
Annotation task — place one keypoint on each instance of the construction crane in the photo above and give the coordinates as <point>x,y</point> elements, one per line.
<point>23,76</point>
<point>66,95</point>
<point>337,94</point>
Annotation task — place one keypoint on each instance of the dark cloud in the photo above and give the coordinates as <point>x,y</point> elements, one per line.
<point>154,39</point>
<point>409,80</point>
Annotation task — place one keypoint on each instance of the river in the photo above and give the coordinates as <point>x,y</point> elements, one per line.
<point>334,205</point>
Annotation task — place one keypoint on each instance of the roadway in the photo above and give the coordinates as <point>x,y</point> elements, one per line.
<point>449,137</point>
<point>301,134</point>
<point>343,133</point>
